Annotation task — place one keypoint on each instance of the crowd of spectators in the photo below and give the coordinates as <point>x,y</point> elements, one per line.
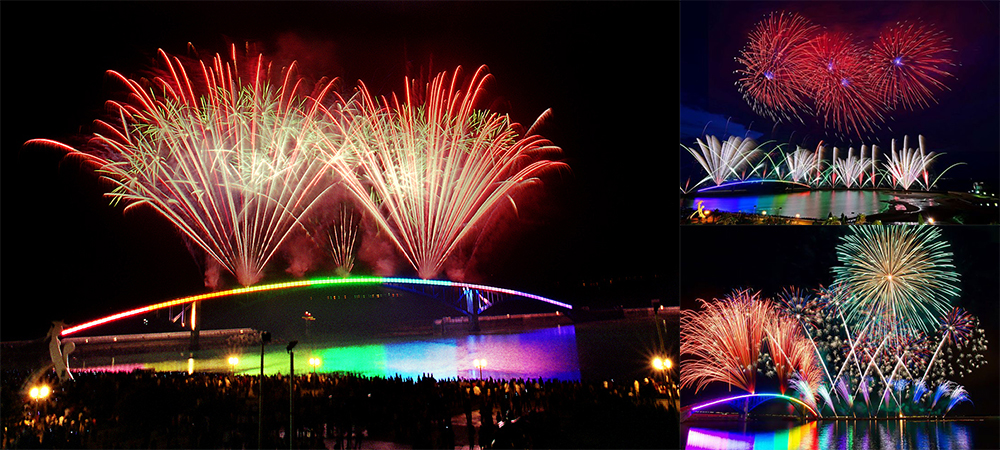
<point>145,409</point>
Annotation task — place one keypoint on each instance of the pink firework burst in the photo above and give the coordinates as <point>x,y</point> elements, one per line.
<point>839,76</point>
<point>771,79</point>
<point>910,64</point>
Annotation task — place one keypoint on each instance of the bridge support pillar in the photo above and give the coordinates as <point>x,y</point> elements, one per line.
<point>472,308</point>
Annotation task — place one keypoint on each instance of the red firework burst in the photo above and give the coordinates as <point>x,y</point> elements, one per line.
<point>910,63</point>
<point>771,80</point>
<point>839,76</point>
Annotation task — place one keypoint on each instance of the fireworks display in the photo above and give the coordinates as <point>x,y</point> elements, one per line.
<point>909,61</point>
<point>882,341</point>
<point>726,160</point>
<point>900,279</point>
<point>773,61</point>
<point>791,67</point>
<point>431,171</point>
<point>236,154</point>
<point>232,159</point>
<point>739,159</point>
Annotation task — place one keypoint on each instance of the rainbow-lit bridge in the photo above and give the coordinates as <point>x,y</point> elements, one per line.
<point>749,402</point>
<point>471,299</point>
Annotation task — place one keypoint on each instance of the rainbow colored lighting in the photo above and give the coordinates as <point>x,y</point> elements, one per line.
<point>307,283</point>
<point>729,399</point>
<point>736,183</point>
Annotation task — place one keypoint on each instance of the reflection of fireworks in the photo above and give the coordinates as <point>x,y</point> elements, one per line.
<point>909,61</point>
<point>900,278</point>
<point>431,172</point>
<point>771,80</point>
<point>232,162</point>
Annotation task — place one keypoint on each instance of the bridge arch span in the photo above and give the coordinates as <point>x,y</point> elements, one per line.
<point>315,282</point>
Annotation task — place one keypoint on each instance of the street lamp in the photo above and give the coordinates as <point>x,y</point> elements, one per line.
<point>314,362</point>
<point>39,392</point>
<point>480,363</point>
<point>233,361</point>
<point>291,393</point>
<point>265,338</point>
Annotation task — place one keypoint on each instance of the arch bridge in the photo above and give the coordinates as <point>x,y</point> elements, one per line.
<point>748,402</point>
<point>471,299</point>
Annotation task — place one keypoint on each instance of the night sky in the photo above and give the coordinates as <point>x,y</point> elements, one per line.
<point>69,255</point>
<point>963,124</point>
<point>717,260</point>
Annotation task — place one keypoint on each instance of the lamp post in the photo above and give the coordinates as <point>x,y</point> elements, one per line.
<point>480,363</point>
<point>265,338</point>
<point>314,362</point>
<point>233,361</point>
<point>291,393</point>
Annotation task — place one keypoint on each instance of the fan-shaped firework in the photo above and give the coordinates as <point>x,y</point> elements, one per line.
<point>910,62</point>
<point>724,341</point>
<point>724,159</point>
<point>800,164</point>
<point>900,279</point>
<point>342,236</point>
<point>838,72</point>
<point>771,78</point>
<point>910,165</point>
<point>851,171</point>
<point>232,161</point>
<point>430,171</point>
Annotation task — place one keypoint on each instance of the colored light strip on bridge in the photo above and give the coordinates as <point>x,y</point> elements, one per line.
<point>305,283</point>
<point>737,183</point>
<point>729,399</point>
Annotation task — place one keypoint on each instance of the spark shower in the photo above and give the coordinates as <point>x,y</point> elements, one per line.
<point>237,154</point>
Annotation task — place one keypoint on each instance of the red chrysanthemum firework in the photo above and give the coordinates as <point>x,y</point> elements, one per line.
<point>771,80</point>
<point>911,60</point>
<point>839,76</point>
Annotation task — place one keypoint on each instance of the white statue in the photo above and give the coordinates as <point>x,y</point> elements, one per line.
<point>60,353</point>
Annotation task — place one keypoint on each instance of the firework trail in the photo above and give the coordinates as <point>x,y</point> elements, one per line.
<point>910,61</point>
<point>723,159</point>
<point>773,61</point>
<point>956,396</point>
<point>342,236</point>
<point>429,171</point>
<point>233,160</point>
<point>900,279</point>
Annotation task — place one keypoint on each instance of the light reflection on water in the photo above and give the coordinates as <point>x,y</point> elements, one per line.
<point>809,204</point>
<point>841,435</point>
<point>542,353</point>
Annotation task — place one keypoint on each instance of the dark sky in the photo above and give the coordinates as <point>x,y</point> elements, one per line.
<point>68,255</point>
<point>963,124</point>
<point>716,260</point>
